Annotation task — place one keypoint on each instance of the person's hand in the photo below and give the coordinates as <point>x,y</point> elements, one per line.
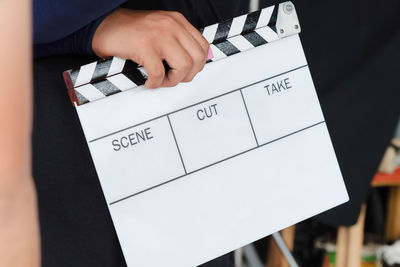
<point>148,38</point>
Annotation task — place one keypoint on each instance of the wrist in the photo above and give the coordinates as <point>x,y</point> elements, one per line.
<point>98,39</point>
<point>92,31</point>
<point>113,33</point>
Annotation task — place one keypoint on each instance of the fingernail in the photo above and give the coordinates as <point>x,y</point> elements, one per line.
<point>210,54</point>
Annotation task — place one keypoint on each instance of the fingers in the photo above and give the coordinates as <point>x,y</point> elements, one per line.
<point>169,36</point>
<point>180,62</point>
<point>155,69</point>
<point>194,43</point>
<point>178,59</point>
<point>195,51</point>
<point>193,31</point>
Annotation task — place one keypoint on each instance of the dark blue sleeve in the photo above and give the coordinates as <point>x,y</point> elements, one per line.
<point>79,42</point>
<point>65,27</point>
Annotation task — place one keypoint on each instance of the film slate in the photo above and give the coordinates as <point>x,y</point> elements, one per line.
<point>106,77</point>
<point>186,170</point>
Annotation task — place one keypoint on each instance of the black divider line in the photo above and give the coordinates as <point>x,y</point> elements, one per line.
<point>147,189</point>
<point>248,115</point>
<point>176,143</point>
<point>158,117</point>
<point>210,165</point>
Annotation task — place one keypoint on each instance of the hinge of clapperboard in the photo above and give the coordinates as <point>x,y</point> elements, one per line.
<point>106,77</point>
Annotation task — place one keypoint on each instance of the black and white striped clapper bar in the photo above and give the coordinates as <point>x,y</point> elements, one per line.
<point>106,77</point>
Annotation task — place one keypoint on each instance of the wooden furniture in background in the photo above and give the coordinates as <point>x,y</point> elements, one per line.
<point>275,257</point>
<point>392,230</point>
<point>350,239</point>
<point>349,243</point>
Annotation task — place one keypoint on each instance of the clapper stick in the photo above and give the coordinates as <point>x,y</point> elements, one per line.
<point>214,34</point>
<point>103,78</point>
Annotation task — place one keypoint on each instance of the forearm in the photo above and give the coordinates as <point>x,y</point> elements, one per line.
<point>67,27</point>
<point>79,42</point>
<point>19,231</point>
<point>19,235</point>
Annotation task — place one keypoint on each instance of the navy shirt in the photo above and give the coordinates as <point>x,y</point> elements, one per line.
<point>67,27</point>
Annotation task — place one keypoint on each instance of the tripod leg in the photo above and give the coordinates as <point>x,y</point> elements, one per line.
<point>284,249</point>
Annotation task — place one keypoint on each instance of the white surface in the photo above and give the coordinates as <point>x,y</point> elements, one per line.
<point>122,82</point>
<point>241,43</point>
<point>117,65</point>
<point>90,92</point>
<point>209,32</point>
<point>203,187</point>
<point>265,16</point>
<point>137,167</point>
<point>268,34</point>
<point>282,113</point>
<point>237,25</point>
<point>85,73</point>
<point>204,142</point>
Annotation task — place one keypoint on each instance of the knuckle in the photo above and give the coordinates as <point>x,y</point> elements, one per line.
<point>172,83</point>
<point>205,42</point>
<point>202,67</point>
<point>207,49</point>
<point>157,74</point>
<point>149,85</point>
<point>177,14</point>
<point>174,79</point>
<point>153,84</point>
<point>144,40</point>
<point>166,21</point>
<point>188,79</point>
<point>186,63</point>
<point>158,29</point>
<point>199,58</point>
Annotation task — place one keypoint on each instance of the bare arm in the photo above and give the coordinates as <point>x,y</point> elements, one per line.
<point>19,231</point>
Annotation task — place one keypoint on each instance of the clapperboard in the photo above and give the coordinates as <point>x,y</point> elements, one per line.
<point>192,172</point>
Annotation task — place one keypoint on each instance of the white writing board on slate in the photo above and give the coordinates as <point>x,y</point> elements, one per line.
<point>195,171</point>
